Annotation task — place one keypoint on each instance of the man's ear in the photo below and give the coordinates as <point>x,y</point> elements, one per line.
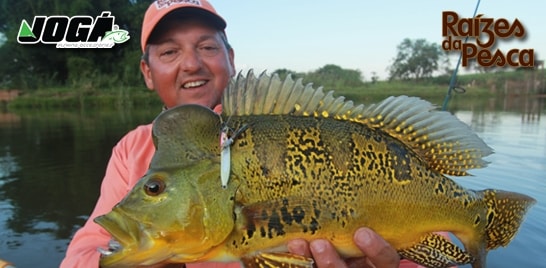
<point>147,74</point>
<point>231,57</point>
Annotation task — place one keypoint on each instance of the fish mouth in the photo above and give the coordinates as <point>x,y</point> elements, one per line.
<point>128,242</point>
<point>118,226</point>
<point>135,242</point>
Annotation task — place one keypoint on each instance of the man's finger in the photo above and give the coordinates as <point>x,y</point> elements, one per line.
<point>325,254</point>
<point>376,249</point>
<point>299,247</point>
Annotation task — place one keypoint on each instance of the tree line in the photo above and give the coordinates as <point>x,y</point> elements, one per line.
<point>31,67</point>
<point>35,66</point>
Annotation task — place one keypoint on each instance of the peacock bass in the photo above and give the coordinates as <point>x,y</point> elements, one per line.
<point>285,161</point>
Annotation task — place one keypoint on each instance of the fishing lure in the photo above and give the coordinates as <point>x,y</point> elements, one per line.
<point>225,153</point>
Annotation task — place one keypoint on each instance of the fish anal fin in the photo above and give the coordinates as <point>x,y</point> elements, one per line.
<point>436,251</point>
<point>271,260</point>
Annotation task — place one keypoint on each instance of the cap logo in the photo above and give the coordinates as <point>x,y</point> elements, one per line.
<point>167,3</point>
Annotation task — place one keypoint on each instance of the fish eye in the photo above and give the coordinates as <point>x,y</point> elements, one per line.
<point>154,187</point>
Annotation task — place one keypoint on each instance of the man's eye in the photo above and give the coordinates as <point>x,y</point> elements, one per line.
<point>167,52</point>
<point>209,51</point>
<point>168,55</point>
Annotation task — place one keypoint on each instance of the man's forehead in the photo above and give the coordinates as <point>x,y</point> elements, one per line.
<point>169,27</point>
<point>165,39</point>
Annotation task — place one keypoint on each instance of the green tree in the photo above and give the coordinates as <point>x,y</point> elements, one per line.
<point>283,72</point>
<point>416,59</point>
<point>43,65</point>
<point>333,76</point>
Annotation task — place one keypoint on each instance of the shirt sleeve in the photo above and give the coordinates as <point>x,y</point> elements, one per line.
<point>129,161</point>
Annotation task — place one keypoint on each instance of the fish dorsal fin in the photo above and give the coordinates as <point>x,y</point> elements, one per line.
<point>448,145</point>
<point>185,134</point>
<point>269,95</point>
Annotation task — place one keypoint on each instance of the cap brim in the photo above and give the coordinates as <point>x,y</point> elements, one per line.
<point>149,27</point>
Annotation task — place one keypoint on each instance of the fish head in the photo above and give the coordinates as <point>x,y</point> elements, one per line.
<point>177,212</point>
<point>166,219</point>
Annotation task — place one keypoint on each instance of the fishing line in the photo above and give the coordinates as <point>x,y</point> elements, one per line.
<point>454,75</point>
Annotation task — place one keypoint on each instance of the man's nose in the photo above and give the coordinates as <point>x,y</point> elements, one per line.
<point>190,61</point>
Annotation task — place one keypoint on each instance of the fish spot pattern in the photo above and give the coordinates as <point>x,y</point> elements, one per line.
<point>278,218</point>
<point>314,157</point>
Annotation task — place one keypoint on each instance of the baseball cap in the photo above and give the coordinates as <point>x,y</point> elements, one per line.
<point>160,8</point>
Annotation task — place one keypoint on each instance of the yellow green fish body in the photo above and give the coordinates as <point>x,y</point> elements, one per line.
<point>303,164</point>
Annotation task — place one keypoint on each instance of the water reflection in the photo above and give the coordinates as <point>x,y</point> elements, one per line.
<point>8,165</point>
<point>486,110</point>
<point>52,164</point>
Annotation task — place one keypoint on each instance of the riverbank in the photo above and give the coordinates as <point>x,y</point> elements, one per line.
<point>122,98</point>
<point>70,98</point>
<point>432,89</point>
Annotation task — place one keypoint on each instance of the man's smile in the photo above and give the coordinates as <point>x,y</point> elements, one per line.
<point>194,84</point>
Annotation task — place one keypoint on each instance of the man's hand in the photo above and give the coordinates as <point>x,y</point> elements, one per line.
<point>377,252</point>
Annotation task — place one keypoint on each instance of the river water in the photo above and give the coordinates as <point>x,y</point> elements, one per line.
<point>52,163</point>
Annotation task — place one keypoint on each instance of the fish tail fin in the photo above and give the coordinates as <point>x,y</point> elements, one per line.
<point>505,212</point>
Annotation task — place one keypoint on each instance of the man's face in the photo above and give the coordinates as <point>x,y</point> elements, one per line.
<point>188,63</point>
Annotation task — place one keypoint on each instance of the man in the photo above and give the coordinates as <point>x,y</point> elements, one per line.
<point>187,59</point>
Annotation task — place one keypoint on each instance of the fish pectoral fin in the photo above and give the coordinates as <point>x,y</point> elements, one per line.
<point>270,260</point>
<point>436,251</point>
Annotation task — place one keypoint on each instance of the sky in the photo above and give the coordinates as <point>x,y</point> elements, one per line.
<point>303,36</point>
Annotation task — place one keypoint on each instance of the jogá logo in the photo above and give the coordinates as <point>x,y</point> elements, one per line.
<point>74,32</point>
<point>485,31</point>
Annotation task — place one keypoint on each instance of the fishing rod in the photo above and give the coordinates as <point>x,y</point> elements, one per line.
<point>454,75</point>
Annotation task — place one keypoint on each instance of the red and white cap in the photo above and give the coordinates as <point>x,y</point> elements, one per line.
<point>160,8</point>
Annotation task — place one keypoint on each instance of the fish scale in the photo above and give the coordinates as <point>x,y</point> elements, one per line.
<point>308,165</point>
<point>379,163</point>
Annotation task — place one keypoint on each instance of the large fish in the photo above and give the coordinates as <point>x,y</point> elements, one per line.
<point>286,161</point>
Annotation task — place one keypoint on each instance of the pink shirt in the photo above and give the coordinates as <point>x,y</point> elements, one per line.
<point>129,162</point>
